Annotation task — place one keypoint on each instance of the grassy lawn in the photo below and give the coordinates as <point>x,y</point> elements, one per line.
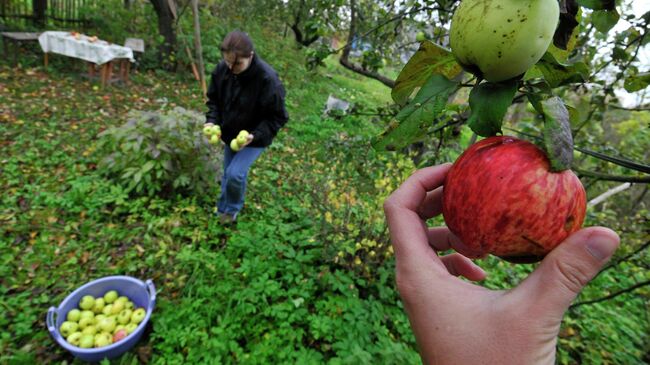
<point>306,276</point>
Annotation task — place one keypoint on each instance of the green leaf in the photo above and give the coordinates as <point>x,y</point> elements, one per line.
<point>558,74</point>
<point>489,103</point>
<point>558,140</point>
<point>604,20</point>
<point>416,117</point>
<point>566,34</point>
<point>428,60</point>
<point>637,82</point>
<point>598,4</point>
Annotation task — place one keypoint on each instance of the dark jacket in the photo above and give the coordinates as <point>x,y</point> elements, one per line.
<point>252,100</point>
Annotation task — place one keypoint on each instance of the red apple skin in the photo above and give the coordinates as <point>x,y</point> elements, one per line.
<point>501,198</point>
<point>119,335</point>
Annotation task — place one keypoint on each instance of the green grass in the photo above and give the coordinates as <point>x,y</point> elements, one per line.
<point>306,276</point>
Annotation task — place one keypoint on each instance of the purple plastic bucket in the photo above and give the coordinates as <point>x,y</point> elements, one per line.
<point>142,294</point>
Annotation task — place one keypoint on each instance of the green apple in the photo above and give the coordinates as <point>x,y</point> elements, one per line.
<point>74,315</point>
<point>103,339</point>
<point>234,145</point>
<point>138,315</point>
<point>67,328</point>
<point>501,39</point>
<point>241,140</point>
<point>122,299</point>
<point>110,296</point>
<point>99,317</point>
<point>108,309</point>
<point>87,341</point>
<point>124,316</point>
<point>215,139</point>
<point>99,305</point>
<point>119,335</point>
<point>107,324</point>
<point>119,327</point>
<point>131,327</point>
<point>87,302</point>
<point>129,305</point>
<point>74,339</point>
<point>207,130</point>
<point>85,322</point>
<point>420,37</point>
<point>86,314</point>
<point>117,307</point>
<point>90,330</point>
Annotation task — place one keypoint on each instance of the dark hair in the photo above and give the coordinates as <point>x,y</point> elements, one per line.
<point>237,42</point>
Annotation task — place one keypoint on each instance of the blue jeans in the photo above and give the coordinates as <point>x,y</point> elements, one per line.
<point>233,182</point>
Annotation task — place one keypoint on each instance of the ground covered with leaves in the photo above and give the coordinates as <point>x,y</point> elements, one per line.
<point>306,275</point>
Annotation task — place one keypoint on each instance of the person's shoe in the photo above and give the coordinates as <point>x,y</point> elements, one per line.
<point>226,219</point>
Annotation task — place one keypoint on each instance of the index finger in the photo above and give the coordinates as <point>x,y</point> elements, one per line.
<point>408,231</point>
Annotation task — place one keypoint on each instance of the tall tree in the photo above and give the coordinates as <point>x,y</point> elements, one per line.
<point>166,11</point>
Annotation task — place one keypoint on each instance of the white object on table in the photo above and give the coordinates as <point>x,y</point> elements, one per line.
<point>97,52</point>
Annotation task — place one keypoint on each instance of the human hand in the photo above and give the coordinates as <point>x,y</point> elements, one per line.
<point>457,322</point>
<point>249,139</point>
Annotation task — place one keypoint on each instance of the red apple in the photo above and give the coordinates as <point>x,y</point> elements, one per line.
<point>501,198</point>
<point>119,335</point>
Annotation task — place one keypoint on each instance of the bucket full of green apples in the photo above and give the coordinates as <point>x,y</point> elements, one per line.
<point>103,318</point>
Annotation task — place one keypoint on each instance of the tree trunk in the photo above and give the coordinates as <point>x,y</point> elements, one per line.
<point>39,8</point>
<point>295,27</point>
<point>345,56</point>
<point>197,45</point>
<point>166,29</point>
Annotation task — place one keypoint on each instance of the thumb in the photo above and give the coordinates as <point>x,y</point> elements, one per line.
<point>556,282</point>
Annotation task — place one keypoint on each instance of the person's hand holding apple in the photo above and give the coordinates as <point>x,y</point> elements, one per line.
<point>457,322</point>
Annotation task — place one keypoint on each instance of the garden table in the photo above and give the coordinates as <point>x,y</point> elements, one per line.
<point>16,38</point>
<point>90,49</point>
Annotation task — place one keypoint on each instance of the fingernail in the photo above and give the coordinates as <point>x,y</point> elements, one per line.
<point>601,246</point>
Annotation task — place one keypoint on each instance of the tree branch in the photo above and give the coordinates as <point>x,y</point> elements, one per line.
<point>623,259</point>
<point>611,296</point>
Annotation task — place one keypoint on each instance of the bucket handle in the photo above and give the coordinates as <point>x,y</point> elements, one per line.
<point>152,293</point>
<point>51,326</point>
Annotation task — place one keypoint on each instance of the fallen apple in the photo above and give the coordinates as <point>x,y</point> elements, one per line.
<point>501,39</point>
<point>501,198</point>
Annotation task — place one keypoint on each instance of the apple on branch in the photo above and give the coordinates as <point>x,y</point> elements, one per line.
<point>500,197</point>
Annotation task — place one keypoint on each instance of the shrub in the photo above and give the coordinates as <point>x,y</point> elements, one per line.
<point>160,153</point>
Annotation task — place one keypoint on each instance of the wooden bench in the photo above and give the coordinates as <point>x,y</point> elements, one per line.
<point>16,38</point>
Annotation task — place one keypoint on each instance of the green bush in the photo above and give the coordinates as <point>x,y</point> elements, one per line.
<point>157,153</point>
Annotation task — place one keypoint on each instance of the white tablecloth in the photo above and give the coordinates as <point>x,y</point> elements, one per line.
<point>98,52</point>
